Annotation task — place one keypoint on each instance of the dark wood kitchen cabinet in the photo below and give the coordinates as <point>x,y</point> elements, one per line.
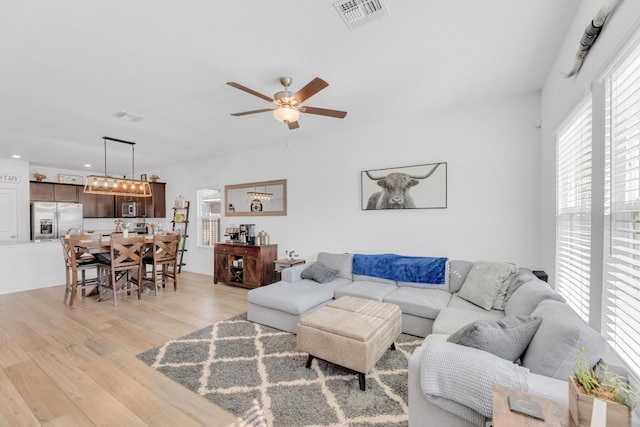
<point>147,207</point>
<point>242,265</point>
<point>97,205</point>
<point>156,205</point>
<point>51,192</point>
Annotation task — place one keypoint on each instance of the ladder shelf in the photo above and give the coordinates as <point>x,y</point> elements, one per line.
<point>180,223</point>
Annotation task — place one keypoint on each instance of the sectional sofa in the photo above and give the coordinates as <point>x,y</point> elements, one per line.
<point>485,323</point>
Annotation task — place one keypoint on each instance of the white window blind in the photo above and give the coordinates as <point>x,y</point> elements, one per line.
<point>573,208</point>
<point>621,287</point>
<point>209,217</point>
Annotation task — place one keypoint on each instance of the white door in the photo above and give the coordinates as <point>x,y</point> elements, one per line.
<point>8,215</point>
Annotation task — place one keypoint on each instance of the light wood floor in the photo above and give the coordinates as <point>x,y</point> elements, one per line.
<point>77,366</point>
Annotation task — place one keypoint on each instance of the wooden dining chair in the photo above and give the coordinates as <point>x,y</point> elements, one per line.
<point>126,265</point>
<point>163,260</point>
<point>76,266</point>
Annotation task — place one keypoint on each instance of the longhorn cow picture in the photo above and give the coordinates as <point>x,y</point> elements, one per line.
<point>408,187</point>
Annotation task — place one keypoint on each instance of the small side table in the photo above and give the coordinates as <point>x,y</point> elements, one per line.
<point>556,414</point>
<point>281,264</point>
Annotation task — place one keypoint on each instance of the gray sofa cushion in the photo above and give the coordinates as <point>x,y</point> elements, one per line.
<point>507,338</point>
<point>524,275</point>
<point>458,270</point>
<point>527,297</point>
<point>425,303</point>
<point>293,298</point>
<point>365,278</point>
<point>319,273</point>
<point>365,289</point>
<point>450,319</point>
<point>341,262</point>
<point>561,335</point>
<point>487,283</point>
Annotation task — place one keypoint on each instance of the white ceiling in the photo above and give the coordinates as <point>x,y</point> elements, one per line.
<point>69,65</point>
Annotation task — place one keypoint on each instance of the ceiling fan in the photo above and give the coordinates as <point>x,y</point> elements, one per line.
<point>289,104</point>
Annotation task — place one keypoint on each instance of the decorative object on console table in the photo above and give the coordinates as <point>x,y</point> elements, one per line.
<point>179,224</point>
<point>281,264</point>
<point>247,266</point>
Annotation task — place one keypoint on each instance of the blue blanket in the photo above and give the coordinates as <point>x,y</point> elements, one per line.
<point>402,268</point>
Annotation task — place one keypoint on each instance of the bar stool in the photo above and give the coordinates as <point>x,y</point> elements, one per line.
<point>76,263</point>
<point>164,255</point>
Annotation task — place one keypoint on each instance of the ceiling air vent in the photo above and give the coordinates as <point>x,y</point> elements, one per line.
<point>129,116</point>
<point>357,12</point>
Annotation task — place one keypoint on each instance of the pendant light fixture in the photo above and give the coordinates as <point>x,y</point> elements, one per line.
<point>97,184</point>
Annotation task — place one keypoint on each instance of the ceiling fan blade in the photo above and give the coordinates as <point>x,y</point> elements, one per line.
<point>293,125</point>
<point>323,112</point>
<point>313,87</point>
<point>244,113</point>
<point>251,91</point>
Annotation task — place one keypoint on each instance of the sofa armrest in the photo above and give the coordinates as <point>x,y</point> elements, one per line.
<point>292,274</point>
<point>548,387</point>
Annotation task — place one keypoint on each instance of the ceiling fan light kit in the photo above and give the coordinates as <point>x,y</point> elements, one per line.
<point>289,104</point>
<point>286,114</point>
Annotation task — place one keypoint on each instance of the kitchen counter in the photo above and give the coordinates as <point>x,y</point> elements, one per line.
<point>31,265</point>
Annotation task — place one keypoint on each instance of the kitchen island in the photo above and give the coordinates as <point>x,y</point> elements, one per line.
<point>31,265</point>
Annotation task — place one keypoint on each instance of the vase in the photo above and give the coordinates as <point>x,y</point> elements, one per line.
<point>125,233</point>
<point>581,406</point>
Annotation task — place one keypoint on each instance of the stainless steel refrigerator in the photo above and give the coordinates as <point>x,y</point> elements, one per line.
<point>51,220</point>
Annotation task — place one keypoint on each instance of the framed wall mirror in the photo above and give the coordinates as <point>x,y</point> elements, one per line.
<point>256,198</point>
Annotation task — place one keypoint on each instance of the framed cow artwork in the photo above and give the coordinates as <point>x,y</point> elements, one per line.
<point>407,187</point>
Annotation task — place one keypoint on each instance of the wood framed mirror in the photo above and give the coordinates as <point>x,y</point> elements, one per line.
<point>262,198</point>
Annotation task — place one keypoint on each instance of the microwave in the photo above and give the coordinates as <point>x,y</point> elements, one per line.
<point>129,209</point>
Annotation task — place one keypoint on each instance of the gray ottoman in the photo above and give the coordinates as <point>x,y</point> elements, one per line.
<point>350,332</point>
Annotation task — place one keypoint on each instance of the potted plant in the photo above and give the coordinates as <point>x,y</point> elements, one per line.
<point>588,384</point>
<point>39,176</point>
<point>154,178</point>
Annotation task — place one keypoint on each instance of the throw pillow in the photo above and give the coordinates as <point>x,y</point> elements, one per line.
<point>506,338</point>
<point>527,297</point>
<point>341,262</point>
<point>553,349</point>
<point>319,272</point>
<point>486,282</point>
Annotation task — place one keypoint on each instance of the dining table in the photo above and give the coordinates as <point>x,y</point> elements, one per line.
<point>103,244</point>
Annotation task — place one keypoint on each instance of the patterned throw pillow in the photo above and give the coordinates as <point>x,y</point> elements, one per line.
<point>488,282</point>
<point>319,272</point>
<point>507,338</point>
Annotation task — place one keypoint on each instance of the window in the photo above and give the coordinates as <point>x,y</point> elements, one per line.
<point>621,287</point>
<point>573,208</point>
<point>208,217</point>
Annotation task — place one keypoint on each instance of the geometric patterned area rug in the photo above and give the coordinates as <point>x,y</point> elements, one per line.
<point>236,361</point>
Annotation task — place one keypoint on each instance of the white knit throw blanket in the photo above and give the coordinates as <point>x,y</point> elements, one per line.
<point>460,379</point>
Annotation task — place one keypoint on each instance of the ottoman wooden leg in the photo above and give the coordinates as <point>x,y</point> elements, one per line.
<point>362,382</point>
<point>309,359</point>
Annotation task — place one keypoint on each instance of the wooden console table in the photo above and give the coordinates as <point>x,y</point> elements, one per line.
<point>556,414</point>
<point>247,266</point>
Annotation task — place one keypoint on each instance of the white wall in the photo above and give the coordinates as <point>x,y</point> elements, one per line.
<point>492,151</point>
<point>560,96</point>
<point>19,168</point>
